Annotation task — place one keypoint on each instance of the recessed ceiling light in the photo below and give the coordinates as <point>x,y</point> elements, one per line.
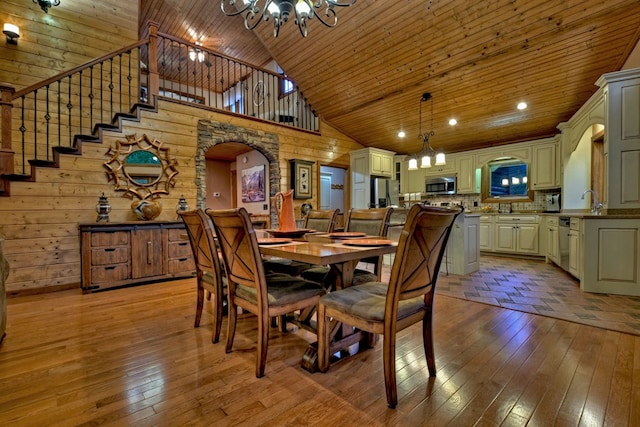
<point>453,122</point>
<point>522,105</point>
<point>401,134</point>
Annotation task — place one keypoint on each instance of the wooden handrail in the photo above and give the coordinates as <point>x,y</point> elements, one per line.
<point>79,68</point>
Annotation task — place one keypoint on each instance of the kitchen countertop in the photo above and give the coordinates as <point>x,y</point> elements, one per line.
<point>615,214</point>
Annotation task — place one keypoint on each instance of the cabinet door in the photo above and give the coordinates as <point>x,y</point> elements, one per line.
<point>553,248</point>
<point>466,175</point>
<point>505,237</point>
<point>415,181</point>
<point>146,253</point>
<point>486,234</point>
<point>544,167</point>
<point>527,238</point>
<point>574,252</point>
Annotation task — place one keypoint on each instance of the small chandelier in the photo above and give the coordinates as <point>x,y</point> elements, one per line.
<point>427,152</point>
<point>46,4</point>
<point>280,10</point>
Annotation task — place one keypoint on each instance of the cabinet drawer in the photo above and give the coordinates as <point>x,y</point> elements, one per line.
<point>181,265</point>
<point>552,221</point>
<point>108,256</point>
<point>109,273</point>
<point>180,249</point>
<point>176,234</point>
<point>574,224</point>
<point>108,238</point>
<point>530,219</point>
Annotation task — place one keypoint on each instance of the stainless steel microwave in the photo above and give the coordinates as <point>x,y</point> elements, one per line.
<point>441,185</point>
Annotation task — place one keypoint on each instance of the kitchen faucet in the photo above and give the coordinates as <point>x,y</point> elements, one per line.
<point>595,207</point>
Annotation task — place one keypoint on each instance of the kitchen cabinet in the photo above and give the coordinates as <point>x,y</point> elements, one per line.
<point>118,254</point>
<point>517,234</point>
<point>553,240</point>
<point>574,248</point>
<point>466,171</point>
<point>443,170</point>
<point>367,163</point>
<point>544,167</point>
<point>463,250</point>
<point>486,233</point>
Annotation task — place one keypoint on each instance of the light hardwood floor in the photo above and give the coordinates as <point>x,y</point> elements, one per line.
<point>132,357</point>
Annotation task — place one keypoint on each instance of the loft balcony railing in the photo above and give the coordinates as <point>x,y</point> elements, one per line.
<point>53,116</point>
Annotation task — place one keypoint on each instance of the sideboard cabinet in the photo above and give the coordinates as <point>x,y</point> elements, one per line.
<point>118,254</point>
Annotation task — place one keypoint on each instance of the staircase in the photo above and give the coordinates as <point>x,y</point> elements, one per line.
<point>58,115</point>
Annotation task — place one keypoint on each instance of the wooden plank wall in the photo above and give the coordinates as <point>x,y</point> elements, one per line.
<point>40,220</point>
<point>69,35</point>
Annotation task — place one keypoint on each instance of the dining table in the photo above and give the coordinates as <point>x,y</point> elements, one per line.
<point>342,256</point>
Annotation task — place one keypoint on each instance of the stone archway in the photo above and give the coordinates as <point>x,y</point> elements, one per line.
<point>212,132</point>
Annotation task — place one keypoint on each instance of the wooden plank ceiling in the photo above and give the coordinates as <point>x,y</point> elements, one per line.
<point>477,59</point>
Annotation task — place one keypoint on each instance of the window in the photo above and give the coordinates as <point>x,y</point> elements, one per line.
<point>505,178</point>
<point>286,86</point>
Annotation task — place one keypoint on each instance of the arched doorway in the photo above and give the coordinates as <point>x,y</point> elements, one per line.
<point>212,132</point>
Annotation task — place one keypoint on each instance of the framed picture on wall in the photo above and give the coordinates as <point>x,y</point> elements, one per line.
<point>301,178</point>
<point>253,186</point>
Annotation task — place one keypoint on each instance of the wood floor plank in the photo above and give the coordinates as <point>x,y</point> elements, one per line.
<point>132,357</point>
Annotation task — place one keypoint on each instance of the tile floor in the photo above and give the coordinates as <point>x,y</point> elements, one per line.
<point>536,287</point>
<point>533,286</point>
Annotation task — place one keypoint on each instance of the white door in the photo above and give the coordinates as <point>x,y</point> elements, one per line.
<point>325,191</point>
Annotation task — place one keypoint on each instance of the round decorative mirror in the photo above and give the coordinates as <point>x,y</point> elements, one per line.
<point>142,167</point>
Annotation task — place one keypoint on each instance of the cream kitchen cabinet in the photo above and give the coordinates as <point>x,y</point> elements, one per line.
<point>463,250</point>
<point>575,253</point>
<point>443,170</point>
<point>486,233</point>
<point>517,234</point>
<point>544,167</point>
<point>367,163</point>
<point>466,172</point>
<point>553,240</point>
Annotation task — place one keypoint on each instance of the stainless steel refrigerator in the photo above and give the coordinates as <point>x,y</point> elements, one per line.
<point>384,192</point>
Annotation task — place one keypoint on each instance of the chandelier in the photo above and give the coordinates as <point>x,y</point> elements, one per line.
<point>427,152</point>
<point>280,10</point>
<point>46,4</point>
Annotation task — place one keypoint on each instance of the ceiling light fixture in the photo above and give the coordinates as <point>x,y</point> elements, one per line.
<point>401,134</point>
<point>280,10</point>
<point>196,53</point>
<point>522,106</point>
<point>46,4</point>
<point>427,152</point>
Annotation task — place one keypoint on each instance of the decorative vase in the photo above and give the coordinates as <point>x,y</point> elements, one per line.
<point>146,210</point>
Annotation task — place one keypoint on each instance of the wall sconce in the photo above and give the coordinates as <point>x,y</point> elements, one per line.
<point>12,32</point>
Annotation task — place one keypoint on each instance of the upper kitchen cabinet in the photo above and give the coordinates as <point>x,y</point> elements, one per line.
<point>366,163</point>
<point>621,92</point>
<point>545,171</point>
<point>442,170</point>
<point>466,172</point>
<point>377,162</point>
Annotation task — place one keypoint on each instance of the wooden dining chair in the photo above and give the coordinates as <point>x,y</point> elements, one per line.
<point>265,295</point>
<point>372,222</point>
<point>385,309</point>
<point>318,220</point>
<point>209,273</point>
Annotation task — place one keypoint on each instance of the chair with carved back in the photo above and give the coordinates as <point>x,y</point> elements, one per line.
<point>385,309</point>
<point>209,271</point>
<point>372,222</point>
<point>318,220</point>
<point>265,295</point>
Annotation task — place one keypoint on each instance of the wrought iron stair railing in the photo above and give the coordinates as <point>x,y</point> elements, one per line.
<point>57,115</point>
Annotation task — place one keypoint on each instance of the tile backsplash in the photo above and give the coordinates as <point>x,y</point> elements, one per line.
<point>473,202</point>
